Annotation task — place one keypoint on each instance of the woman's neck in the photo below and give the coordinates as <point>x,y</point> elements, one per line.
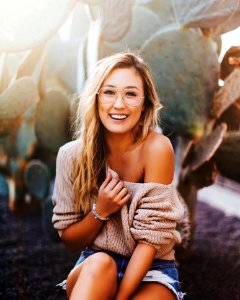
<point>118,144</point>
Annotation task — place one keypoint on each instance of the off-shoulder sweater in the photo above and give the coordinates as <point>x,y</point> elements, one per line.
<point>150,216</point>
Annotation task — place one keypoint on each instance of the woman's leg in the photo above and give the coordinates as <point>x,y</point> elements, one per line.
<point>95,278</point>
<point>153,291</point>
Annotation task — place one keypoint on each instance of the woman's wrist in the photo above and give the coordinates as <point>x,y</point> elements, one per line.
<point>98,215</point>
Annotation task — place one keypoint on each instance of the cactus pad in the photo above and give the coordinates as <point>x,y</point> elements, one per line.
<point>185,67</point>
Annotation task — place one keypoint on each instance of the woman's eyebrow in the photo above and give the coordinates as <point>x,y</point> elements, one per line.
<point>127,87</point>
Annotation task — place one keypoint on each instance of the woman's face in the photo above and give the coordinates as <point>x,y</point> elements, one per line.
<point>116,115</point>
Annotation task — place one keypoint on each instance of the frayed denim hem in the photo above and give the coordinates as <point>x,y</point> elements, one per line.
<point>62,284</point>
<point>165,279</point>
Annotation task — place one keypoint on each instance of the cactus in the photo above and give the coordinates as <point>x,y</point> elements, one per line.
<point>47,219</point>
<point>227,95</point>
<point>36,24</point>
<point>164,10</point>
<point>51,127</point>
<point>228,156</point>
<point>17,98</point>
<point>25,142</point>
<point>115,16</point>
<point>3,187</point>
<point>30,63</point>
<point>37,178</point>
<point>208,14</point>
<point>137,33</point>
<point>231,117</point>
<point>226,67</point>
<point>185,79</point>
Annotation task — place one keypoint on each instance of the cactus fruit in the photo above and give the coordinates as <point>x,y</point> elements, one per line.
<point>186,77</point>
<point>51,123</point>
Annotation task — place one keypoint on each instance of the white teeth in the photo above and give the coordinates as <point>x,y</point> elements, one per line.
<point>118,117</point>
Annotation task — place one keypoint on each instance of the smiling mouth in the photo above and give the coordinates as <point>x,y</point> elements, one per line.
<point>118,116</point>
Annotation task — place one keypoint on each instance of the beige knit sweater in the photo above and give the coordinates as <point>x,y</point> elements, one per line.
<point>150,217</point>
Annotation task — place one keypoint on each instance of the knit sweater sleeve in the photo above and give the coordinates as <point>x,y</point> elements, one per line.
<point>64,211</point>
<point>154,215</point>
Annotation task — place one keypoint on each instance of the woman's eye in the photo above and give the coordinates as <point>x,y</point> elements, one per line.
<point>109,92</point>
<point>130,94</point>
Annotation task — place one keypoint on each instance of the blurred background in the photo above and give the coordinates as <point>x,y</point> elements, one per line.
<point>47,51</point>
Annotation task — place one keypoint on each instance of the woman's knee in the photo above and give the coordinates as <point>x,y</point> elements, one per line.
<point>101,263</point>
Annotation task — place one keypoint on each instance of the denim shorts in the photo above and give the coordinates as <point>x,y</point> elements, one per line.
<point>162,271</point>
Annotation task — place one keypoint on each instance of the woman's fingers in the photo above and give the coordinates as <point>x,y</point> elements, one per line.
<point>114,181</point>
<point>107,180</point>
<point>122,193</point>
<point>124,200</point>
<point>118,187</point>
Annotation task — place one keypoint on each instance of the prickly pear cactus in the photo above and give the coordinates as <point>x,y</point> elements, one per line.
<point>16,99</point>
<point>52,114</point>
<point>228,156</point>
<point>138,33</point>
<point>185,68</point>
<point>37,178</point>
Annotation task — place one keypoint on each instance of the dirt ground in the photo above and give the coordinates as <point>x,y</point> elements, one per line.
<point>31,263</point>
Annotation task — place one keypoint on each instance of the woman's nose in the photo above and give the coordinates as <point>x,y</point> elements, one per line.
<point>119,102</point>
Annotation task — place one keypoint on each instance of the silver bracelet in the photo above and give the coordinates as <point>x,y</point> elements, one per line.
<point>96,215</point>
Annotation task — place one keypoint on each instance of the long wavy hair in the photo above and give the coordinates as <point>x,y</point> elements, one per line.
<point>90,167</point>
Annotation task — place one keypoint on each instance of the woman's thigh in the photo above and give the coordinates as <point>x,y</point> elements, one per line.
<point>103,265</point>
<point>72,278</point>
<point>153,291</point>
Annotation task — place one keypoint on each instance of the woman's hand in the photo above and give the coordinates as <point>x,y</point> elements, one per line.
<point>112,196</point>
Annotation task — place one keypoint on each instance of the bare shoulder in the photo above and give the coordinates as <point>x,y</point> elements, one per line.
<point>158,159</point>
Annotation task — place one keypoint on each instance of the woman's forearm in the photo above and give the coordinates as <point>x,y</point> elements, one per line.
<point>82,233</point>
<point>137,268</point>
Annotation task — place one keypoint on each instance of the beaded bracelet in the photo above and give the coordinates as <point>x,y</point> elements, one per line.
<point>96,215</point>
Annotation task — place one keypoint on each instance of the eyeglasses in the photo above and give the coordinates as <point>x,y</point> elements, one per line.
<point>108,95</point>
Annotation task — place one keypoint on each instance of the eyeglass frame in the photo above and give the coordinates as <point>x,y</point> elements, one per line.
<point>118,90</point>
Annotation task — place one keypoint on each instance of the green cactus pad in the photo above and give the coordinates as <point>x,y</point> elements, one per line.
<point>185,68</point>
<point>25,24</point>
<point>29,64</point>
<point>227,95</point>
<point>115,16</point>
<point>228,156</point>
<point>52,115</point>
<point>15,100</point>
<point>37,178</point>
<point>164,10</point>
<point>144,24</point>
<point>226,68</point>
<point>25,141</point>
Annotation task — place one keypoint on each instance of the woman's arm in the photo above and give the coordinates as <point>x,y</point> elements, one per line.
<point>158,159</point>
<point>111,197</point>
<point>137,268</point>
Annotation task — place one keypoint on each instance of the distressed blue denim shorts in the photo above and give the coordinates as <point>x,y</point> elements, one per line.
<point>162,271</point>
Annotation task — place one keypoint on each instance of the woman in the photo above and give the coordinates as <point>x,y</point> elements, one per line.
<point>114,193</point>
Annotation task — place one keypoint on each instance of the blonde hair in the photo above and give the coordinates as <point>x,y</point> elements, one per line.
<point>90,167</point>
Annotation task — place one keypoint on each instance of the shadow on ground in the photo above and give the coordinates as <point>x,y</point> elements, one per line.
<point>31,263</point>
